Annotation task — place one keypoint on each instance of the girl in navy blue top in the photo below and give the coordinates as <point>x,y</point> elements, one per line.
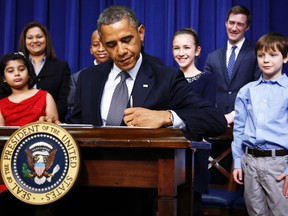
<point>186,49</point>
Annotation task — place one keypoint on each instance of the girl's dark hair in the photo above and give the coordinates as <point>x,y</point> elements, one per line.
<point>16,56</point>
<point>192,32</point>
<point>188,31</point>
<point>49,51</point>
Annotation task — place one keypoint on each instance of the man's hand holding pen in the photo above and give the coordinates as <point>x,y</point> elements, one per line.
<point>142,117</point>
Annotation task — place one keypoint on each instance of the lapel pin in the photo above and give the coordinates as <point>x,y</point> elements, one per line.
<point>145,85</point>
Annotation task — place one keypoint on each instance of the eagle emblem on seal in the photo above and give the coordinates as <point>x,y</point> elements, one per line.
<point>40,158</point>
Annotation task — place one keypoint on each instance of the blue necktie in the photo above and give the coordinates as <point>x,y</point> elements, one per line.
<point>119,101</point>
<point>231,63</point>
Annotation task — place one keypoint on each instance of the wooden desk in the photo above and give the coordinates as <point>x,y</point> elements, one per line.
<point>137,157</point>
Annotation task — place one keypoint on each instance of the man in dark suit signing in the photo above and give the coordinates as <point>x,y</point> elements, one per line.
<point>161,96</point>
<point>245,68</point>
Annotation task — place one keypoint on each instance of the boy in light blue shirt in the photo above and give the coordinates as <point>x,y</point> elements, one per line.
<point>260,131</point>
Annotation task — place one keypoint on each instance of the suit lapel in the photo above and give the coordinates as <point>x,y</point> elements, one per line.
<point>240,57</point>
<point>47,69</point>
<point>142,87</point>
<point>222,59</point>
<point>100,77</point>
<point>143,84</point>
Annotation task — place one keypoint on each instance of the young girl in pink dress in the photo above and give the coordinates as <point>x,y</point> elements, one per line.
<point>24,104</point>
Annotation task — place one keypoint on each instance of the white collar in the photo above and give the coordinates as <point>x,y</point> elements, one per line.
<point>133,72</point>
<point>239,44</point>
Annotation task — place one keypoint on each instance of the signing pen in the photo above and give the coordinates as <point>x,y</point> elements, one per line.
<point>131,101</point>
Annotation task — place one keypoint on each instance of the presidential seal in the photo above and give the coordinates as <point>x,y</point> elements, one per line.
<point>40,163</point>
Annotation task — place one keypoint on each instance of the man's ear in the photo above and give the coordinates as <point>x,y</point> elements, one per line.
<point>141,32</point>
<point>247,28</point>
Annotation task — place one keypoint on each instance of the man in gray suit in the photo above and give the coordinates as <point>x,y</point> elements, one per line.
<point>245,67</point>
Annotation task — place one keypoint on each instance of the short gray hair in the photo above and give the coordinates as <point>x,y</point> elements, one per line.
<point>114,14</point>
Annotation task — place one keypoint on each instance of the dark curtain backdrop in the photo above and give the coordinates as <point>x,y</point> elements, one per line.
<point>71,23</point>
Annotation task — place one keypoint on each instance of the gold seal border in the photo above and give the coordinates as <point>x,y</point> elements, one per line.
<point>72,173</point>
